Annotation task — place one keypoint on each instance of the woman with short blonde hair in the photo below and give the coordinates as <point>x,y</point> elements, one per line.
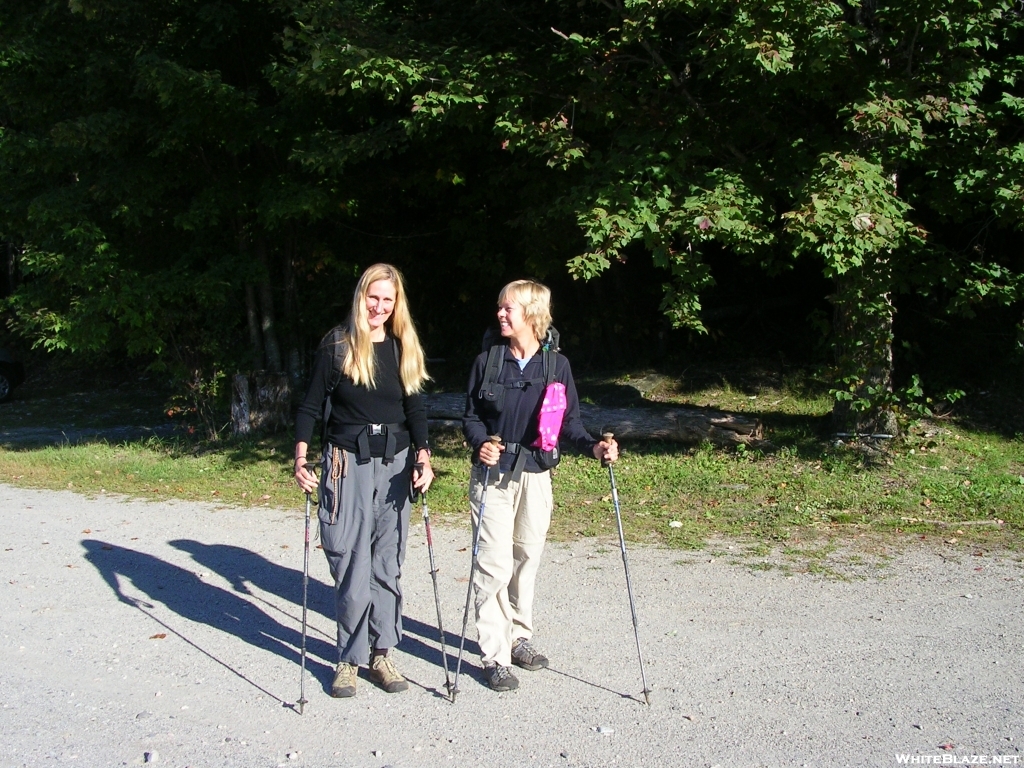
<point>513,531</point>
<point>535,299</point>
<point>366,381</point>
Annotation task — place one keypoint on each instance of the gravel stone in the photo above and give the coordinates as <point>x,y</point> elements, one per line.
<point>771,659</point>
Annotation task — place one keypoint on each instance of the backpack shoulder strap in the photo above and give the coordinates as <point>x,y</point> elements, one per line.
<point>550,355</point>
<point>492,369</point>
<point>334,343</point>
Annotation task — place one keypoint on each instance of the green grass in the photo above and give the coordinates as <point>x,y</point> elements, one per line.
<point>948,481</point>
<point>243,473</point>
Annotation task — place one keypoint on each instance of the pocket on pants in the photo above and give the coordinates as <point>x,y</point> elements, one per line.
<point>477,478</point>
<point>329,510</point>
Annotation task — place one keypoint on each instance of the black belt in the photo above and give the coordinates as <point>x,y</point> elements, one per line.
<point>363,432</point>
<point>521,452</point>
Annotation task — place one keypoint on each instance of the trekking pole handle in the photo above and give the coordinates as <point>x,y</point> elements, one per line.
<point>417,469</point>
<point>607,437</point>
<point>494,440</point>
<point>310,467</point>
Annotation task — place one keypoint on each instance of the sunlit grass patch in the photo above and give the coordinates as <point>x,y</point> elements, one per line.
<point>950,483</point>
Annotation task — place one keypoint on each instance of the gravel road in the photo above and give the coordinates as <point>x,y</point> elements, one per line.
<point>134,628</point>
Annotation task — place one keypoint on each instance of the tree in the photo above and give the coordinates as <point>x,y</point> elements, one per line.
<point>143,173</point>
<point>212,156</point>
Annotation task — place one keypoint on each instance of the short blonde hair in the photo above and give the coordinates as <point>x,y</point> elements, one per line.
<point>535,299</point>
<point>358,364</point>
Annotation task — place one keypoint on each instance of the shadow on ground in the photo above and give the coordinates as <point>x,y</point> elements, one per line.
<point>240,611</point>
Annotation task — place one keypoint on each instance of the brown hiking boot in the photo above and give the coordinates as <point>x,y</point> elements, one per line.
<point>344,685</point>
<point>384,674</point>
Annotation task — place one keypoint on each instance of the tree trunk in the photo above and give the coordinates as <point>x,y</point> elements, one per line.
<point>255,335</point>
<point>240,405</point>
<point>252,315</point>
<point>863,330</point>
<point>266,294</point>
<point>291,320</point>
<point>613,351</point>
<point>10,265</point>
<point>260,401</point>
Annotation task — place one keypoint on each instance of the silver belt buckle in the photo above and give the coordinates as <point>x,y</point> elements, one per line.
<point>375,429</point>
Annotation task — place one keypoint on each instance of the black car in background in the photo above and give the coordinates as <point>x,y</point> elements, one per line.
<point>12,373</point>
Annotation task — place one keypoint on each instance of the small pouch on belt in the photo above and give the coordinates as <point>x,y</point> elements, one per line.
<point>521,453</point>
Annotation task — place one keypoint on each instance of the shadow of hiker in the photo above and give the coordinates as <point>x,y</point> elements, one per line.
<point>242,567</point>
<point>191,598</point>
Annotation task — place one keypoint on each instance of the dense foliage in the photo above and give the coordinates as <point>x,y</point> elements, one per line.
<point>201,180</point>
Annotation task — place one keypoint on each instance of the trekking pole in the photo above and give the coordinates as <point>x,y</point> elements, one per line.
<point>305,594</point>
<point>496,440</point>
<point>437,597</point>
<point>607,437</point>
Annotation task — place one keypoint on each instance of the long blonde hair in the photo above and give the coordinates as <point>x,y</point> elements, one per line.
<point>358,364</point>
<point>535,299</point>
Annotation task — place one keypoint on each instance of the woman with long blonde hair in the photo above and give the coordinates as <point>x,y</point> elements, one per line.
<point>367,379</point>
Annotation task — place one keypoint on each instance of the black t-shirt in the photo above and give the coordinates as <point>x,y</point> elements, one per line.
<point>358,405</point>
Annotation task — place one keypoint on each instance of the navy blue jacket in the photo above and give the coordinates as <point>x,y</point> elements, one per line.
<point>517,423</point>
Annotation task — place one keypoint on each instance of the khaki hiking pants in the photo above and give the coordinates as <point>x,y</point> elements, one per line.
<point>515,524</point>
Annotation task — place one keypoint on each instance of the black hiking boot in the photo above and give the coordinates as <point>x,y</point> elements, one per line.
<point>526,656</point>
<point>501,678</point>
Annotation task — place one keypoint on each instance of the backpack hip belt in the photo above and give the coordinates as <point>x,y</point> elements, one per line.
<point>521,452</point>
<point>363,433</point>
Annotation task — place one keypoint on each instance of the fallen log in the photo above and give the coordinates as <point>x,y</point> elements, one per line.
<point>689,425</point>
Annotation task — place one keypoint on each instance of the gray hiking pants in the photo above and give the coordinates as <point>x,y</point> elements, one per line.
<point>364,525</point>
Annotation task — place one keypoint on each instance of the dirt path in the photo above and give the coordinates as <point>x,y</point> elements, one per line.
<point>133,627</point>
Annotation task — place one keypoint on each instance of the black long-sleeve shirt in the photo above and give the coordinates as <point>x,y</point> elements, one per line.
<point>358,405</point>
<point>517,422</point>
